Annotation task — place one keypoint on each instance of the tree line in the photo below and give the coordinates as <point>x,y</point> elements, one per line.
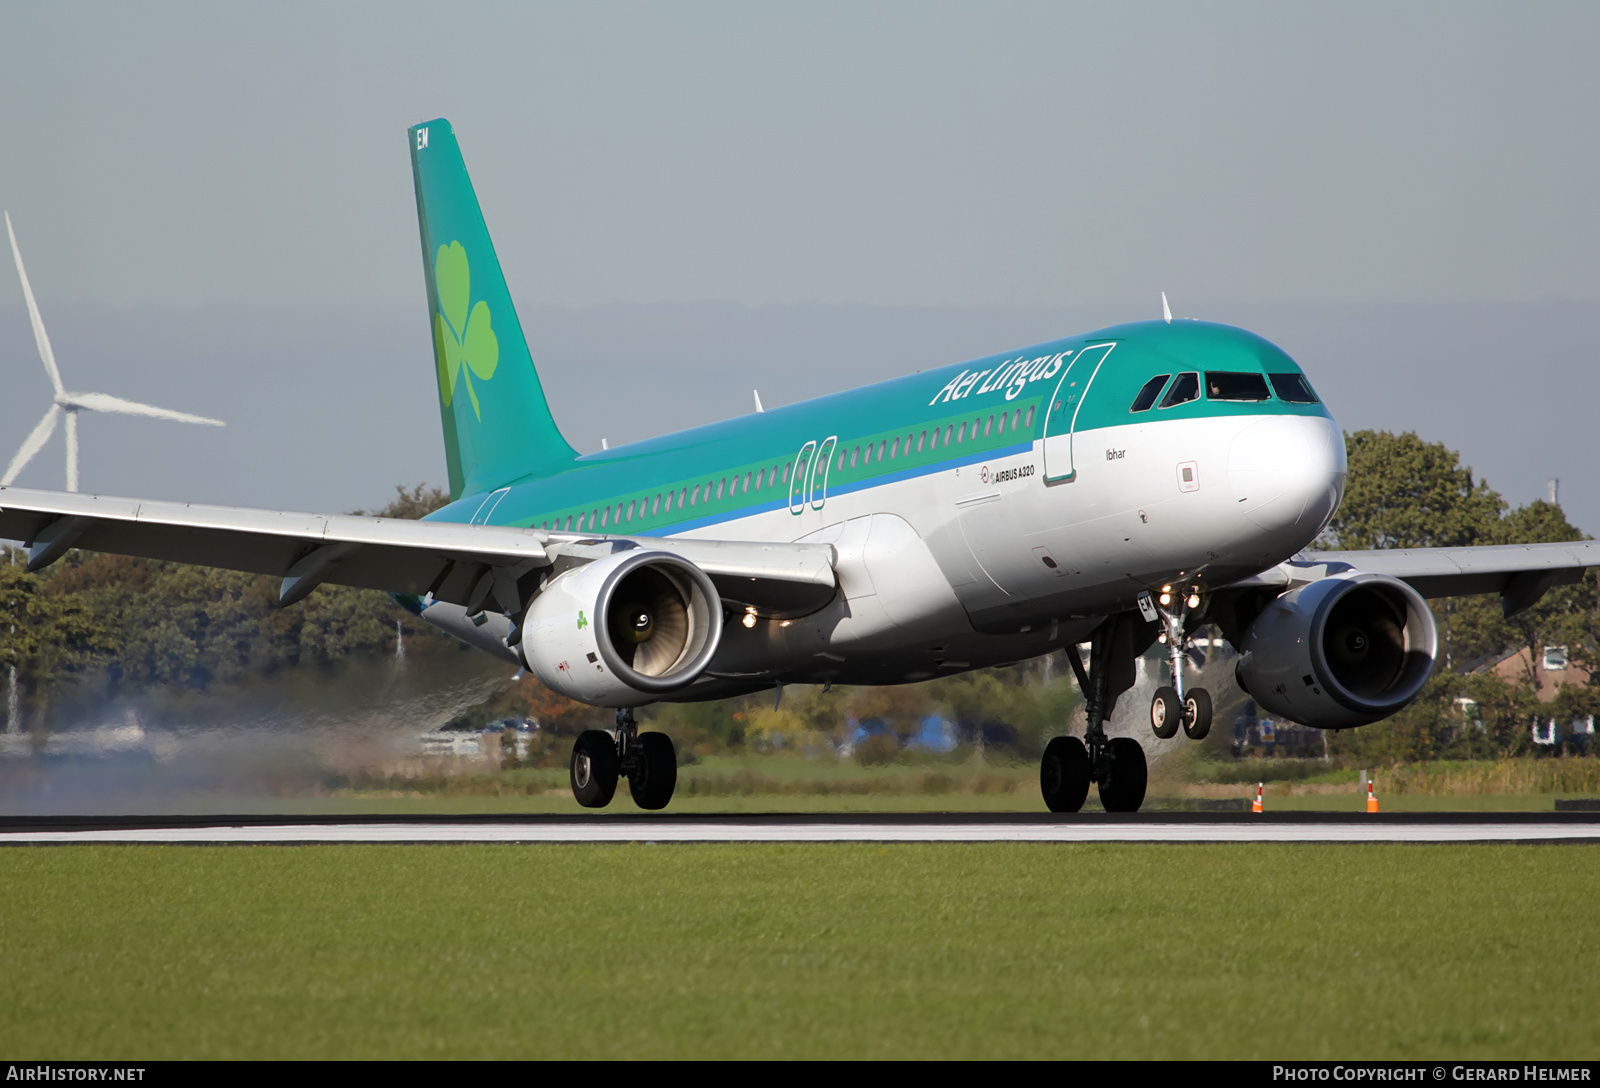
<point>95,625</point>
<point>1403,492</point>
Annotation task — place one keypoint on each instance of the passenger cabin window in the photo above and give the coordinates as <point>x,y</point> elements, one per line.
<point>1147,395</point>
<point>1292,388</point>
<point>1028,423</point>
<point>1185,387</point>
<point>1235,385</point>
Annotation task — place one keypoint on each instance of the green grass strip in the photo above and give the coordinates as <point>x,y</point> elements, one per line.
<point>804,950</point>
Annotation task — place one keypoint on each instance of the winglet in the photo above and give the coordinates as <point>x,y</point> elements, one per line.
<point>1166,311</point>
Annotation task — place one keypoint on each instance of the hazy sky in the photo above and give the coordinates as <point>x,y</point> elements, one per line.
<point>215,203</point>
<point>988,155</point>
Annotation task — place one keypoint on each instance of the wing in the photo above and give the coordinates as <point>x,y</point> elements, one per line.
<point>457,563</point>
<point>1519,573</point>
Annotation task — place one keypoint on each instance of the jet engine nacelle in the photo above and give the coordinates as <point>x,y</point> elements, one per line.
<point>623,630</point>
<point>1347,650</point>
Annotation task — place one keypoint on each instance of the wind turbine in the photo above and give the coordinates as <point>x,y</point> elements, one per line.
<point>71,404</point>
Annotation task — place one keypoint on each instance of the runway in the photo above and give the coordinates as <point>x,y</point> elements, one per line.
<point>919,827</point>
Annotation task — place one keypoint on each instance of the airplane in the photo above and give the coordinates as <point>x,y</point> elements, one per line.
<point>1114,488</point>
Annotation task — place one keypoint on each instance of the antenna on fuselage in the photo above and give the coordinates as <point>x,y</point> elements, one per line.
<point>1166,311</point>
<point>757,393</point>
<point>604,444</point>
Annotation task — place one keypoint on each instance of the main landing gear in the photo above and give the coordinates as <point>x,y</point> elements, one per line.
<point>1115,764</point>
<point>1172,706</point>
<point>648,760</point>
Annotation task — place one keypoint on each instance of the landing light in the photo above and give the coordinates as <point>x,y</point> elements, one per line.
<point>749,619</point>
<point>1194,600</point>
<point>1166,598</point>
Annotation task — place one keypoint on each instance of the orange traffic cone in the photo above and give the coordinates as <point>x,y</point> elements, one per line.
<point>1372,801</point>
<point>1256,806</point>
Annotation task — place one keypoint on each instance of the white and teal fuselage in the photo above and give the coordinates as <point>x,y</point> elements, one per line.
<point>1045,503</point>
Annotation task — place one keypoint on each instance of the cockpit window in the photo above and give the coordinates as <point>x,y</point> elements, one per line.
<point>1235,385</point>
<point>1147,396</point>
<point>1185,387</point>
<point>1292,388</point>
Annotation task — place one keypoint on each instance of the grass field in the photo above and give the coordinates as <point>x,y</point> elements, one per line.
<point>827,950</point>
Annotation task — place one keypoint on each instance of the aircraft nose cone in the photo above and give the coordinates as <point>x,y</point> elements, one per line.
<point>1287,473</point>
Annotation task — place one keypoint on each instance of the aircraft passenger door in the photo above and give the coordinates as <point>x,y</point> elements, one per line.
<point>1061,414</point>
<point>819,472</point>
<point>800,478</point>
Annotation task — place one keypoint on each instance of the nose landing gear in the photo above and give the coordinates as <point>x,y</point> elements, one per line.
<point>1172,706</point>
<point>647,760</point>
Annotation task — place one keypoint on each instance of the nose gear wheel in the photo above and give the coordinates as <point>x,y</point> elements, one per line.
<point>1196,714</point>
<point>1166,713</point>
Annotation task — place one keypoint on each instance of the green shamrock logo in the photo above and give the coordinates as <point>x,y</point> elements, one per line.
<point>458,336</point>
<point>582,621</point>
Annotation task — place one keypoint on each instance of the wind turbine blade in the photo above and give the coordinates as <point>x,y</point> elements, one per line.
<point>104,402</point>
<point>72,449</point>
<point>40,337</point>
<point>32,445</point>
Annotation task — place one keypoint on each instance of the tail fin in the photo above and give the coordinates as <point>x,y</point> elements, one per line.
<point>497,424</point>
